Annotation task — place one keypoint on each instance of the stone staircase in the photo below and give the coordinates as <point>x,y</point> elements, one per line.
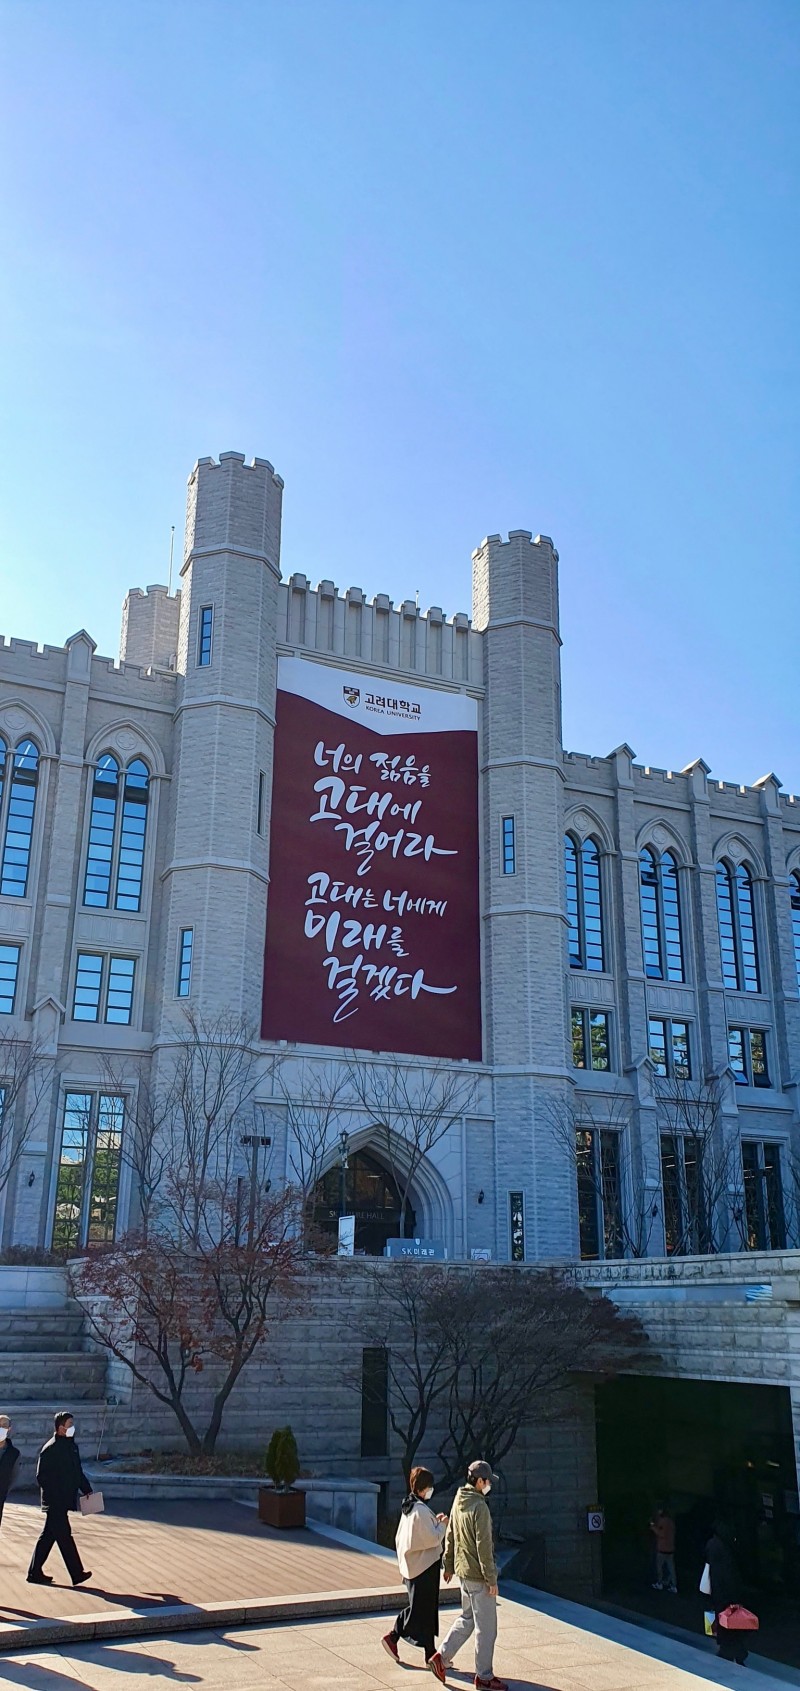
<point>45,1365</point>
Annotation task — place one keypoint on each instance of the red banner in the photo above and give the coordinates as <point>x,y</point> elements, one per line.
<point>373,915</point>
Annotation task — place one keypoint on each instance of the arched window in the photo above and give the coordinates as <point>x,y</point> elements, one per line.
<point>794,890</point>
<point>584,904</point>
<point>21,780</point>
<point>117,829</point>
<point>661,916</point>
<point>737,930</point>
<point>102,825</point>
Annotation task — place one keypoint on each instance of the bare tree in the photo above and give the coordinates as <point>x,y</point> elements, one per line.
<point>705,1168</point>
<point>474,1354</point>
<point>315,1102</point>
<point>25,1075</point>
<point>411,1110</point>
<point>209,1103</point>
<point>595,1133</point>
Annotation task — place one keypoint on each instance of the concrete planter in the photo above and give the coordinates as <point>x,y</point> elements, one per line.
<point>283,1509</point>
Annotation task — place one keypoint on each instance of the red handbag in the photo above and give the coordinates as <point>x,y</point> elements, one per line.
<point>737,1619</point>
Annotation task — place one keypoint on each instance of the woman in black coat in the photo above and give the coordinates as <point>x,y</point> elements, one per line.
<point>9,1457</point>
<point>726,1588</point>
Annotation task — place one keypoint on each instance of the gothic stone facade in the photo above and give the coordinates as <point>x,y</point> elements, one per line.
<point>580,1012</point>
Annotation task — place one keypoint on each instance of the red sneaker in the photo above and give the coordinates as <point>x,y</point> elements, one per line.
<point>493,1684</point>
<point>437,1667</point>
<point>390,1646</point>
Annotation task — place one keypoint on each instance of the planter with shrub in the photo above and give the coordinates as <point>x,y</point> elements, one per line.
<point>280,1505</point>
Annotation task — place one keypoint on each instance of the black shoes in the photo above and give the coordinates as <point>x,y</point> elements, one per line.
<point>40,1579</point>
<point>82,1578</point>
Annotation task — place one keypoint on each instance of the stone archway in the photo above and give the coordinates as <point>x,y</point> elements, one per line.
<point>371,1195</point>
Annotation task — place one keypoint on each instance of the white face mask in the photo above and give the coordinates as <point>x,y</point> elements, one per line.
<point>426,1494</point>
<point>487,1488</point>
<point>4,1432</point>
<point>70,1433</point>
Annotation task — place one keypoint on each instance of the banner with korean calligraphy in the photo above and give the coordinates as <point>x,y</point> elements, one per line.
<point>373,915</point>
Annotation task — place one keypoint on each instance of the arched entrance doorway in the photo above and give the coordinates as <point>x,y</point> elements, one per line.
<point>371,1195</point>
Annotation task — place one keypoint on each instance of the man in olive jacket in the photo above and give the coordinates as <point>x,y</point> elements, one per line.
<point>469,1554</point>
<point>60,1478</point>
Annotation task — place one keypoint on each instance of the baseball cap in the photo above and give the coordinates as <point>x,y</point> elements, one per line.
<point>480,1471</point>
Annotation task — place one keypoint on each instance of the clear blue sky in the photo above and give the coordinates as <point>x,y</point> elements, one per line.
<point>454,268</point>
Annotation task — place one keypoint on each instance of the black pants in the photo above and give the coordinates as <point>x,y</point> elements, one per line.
<point>56,1530</point>
<point>419,1622</point>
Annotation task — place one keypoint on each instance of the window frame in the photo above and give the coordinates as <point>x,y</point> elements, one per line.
<point>10,945</point>
<point>11,885</point>
<point>261,803</point>
<point>588,1014</point>
<point>125,826</point>
<point>586,932</point>
<point>669,1023</point>
<point>508,845</point>
<point>592,1191</point>
<point>763,1204</point>
<point>658,921</point>
<point>740,949</point>
<point>105,987</point>
<point>184,964</point>
<point>748,1074</point>
<point>94,1092</point>
<point>205,637</point>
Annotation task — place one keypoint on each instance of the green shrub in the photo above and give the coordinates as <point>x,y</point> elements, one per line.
<point>282,1463</point>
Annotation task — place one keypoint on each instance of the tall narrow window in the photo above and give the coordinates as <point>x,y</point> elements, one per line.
<point>9,969</point>
<point>509,847</point>
<point>584,904</point>
<point>737,931</point>
<point>22,781</point>
<point>117,833</point>
<point>794,893</point>
<point>661,916</point>
<point>374,1401</point>
<point>763,1195</point>
<point>599,1194</point>
<point>185,948</point>
<point>102,826</point>
<point>205,630</point>
<point>87,1189</point>
<point>132,836</point>
<point>688,1223</point>
<point>591,1046</point>
<point>261,811</point>
<point>516,1207</point>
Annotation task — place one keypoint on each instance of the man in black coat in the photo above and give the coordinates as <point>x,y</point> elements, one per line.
<point>9,1457</point>
<point>60,1477</point>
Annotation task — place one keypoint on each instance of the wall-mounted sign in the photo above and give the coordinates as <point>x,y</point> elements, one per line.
<point>347,1235</point>
<point>423,1250</point>
<point>372,922</point>
<point>596,1520</point>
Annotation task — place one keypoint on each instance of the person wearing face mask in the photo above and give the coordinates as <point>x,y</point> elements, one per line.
<point>9,1457</point>
<point>60,1477</point>
<point>419,1541</point>
<point>469,1554</point>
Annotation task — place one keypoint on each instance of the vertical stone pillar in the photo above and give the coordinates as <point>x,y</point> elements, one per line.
<point>515,606</point>
<point>216,876</point>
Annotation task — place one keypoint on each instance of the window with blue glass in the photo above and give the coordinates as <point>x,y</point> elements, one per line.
<point>509,846</point>
<point>117,834</point>
<point>205,636</point>
<point>19,779</point>
<point>183,984</point>
<point>103,988</point>
<point>585,942</point>
<point>662,941</point>
<point>9,971</point>
<point>747,1055</point>
<point>737,928</point>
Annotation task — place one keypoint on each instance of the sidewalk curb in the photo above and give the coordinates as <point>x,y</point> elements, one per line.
<point>184,1617</point>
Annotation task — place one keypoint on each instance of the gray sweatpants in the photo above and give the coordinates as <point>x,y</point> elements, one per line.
<point>478,1615</point>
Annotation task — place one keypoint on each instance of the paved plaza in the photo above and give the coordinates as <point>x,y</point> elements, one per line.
<point>538,1651</point>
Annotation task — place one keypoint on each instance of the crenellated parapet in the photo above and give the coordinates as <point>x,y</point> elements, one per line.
<point>377,632</point>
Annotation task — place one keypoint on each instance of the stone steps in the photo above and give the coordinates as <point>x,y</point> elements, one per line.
<point>40,1331</point>
<point>44,1377</point>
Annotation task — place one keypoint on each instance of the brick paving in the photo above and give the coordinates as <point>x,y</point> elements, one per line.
<point>146,1554</point>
